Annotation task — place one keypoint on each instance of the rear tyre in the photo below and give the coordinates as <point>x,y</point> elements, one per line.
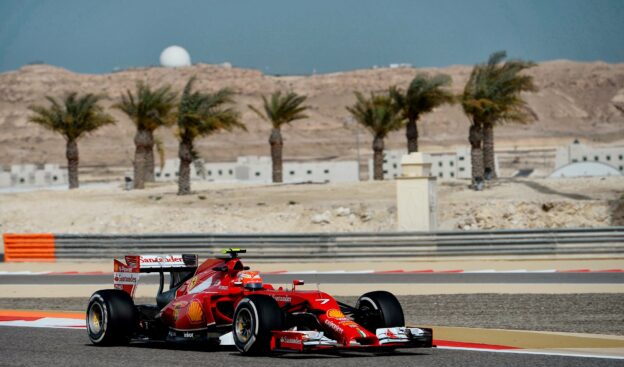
<point>112,317</point>
<point>379,309</point>
<point>254,319</point>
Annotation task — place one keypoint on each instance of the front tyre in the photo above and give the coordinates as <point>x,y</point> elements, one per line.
<point>254,319</point>
<point>379,309</point>
<point>112,317</point>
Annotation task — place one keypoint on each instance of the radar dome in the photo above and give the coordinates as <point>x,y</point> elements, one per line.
<point>175,56</point>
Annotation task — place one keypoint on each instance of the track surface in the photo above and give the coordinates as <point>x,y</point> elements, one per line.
<point>58,347</point>
<point>578,313</point>
<point>457,278</point>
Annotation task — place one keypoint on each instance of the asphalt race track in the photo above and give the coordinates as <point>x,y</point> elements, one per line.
<point>590,313</point>
<point>351,278</point>
<point>62,347</point>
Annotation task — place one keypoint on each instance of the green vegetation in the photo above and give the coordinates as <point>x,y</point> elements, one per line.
<point>422,96</point>
<point>492,96</point>
<point>380,116</point>
<point>280,110</point>
<point>73,117</point>
<point>148,109</point>
<point>201,114</point>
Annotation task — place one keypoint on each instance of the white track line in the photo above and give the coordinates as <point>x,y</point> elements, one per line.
<point>544,353</point>
<point>65,323</point>
<point>47,322</point>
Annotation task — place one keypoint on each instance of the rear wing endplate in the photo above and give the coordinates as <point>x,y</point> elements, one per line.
<point>126,274</point>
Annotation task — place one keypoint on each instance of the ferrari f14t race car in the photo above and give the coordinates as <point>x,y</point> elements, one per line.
<point>222,302</point>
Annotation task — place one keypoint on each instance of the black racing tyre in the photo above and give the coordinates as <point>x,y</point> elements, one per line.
<point>112,317</point>
<point>254,319</point>
<point>379,309</point>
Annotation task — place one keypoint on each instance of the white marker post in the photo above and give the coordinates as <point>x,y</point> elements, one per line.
<point>416,195</point>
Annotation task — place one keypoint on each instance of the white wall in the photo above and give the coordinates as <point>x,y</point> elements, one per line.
<point>444,165</point>
<point>30,175</point>
<point>584,169</point>
<point>258,169</point>
<point>340,171</point>
<point>579,152</point>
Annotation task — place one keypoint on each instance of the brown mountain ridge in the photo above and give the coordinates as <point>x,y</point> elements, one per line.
<point>575,100</point>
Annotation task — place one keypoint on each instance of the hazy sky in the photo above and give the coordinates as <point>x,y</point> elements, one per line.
<point>297,37</point>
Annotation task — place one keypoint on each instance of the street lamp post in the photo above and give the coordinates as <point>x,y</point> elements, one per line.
<point>350,121</point>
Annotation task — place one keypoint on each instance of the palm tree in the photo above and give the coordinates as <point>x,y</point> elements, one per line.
<point>380,115</point>
<point>422,96</point>
<point>492,96</point>
<point>73,117</point>
<point>280,110</point>
<point>201,114</point>
<point>148,109</point>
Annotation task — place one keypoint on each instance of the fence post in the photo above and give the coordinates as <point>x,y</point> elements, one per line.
<point>416,195</point>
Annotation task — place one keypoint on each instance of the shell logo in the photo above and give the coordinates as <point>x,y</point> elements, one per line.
<point>335,313</point>
<point>195,312</point>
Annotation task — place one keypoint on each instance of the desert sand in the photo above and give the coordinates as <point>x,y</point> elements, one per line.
<point>345,207</point>
<point>575,100</point>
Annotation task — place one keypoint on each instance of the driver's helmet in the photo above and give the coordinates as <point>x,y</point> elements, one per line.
<point>250,279</point>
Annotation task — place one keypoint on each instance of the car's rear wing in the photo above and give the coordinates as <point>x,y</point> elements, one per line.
<point>126,274</point>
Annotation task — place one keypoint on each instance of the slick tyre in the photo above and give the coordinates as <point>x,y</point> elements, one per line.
<point>379,309</point>
<point>112,317</point>
<point>254,319</point>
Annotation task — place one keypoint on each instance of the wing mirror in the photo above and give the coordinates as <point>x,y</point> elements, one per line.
<point>297,282</point>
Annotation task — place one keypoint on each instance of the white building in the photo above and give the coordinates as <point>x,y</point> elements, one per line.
<point>444,165</point>
<point>5,178</point>
<point>253,169</point>
<point>30,175</point>
<point>585,169</point>
<point>321,171</point>
<point>258,169</point>
<point>578,152</point>
<point>169,171</point>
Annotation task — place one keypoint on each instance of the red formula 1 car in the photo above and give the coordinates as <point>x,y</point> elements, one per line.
<point>221,302</point>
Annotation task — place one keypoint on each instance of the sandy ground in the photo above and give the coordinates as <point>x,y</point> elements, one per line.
<point>362,206</point>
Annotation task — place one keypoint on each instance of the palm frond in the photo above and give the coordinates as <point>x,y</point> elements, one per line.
<point>281,108</point>
<point>201,114</point>
<point>72,117</point>
<point>493,91</point>
<point>423,95</point>
<point>147,108</point>
<point>378,113</point>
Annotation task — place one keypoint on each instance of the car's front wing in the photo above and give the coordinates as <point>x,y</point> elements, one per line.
<point>386,338</point>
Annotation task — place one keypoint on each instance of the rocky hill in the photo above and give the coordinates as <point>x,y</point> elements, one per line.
<point>575,100</point>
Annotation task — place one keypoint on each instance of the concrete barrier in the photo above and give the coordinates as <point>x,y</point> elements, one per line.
<point>316,246</point>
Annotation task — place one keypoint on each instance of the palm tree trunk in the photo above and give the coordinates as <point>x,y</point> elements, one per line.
<point>71,152</point>
<point>411,132</point>
<point>141,141</point>
<point>476,154</point>
<point>277,144</point>
<point>149,159</point>
<point>489,162</point>
<point>378,148</point>
<point>186,158</point>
